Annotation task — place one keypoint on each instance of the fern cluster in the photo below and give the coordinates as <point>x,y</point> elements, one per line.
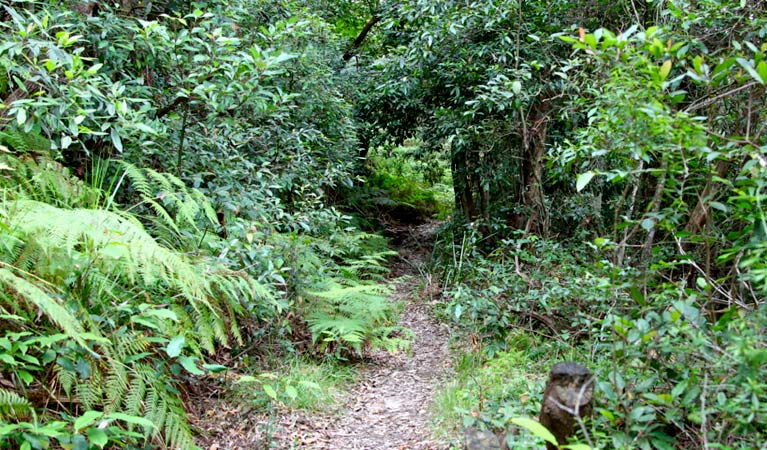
<point>172,207</point>
<point>42,179</point>
<point>23,142</point>
<point>342,294</point>
<point>353,316</point>
<point>102,279</point>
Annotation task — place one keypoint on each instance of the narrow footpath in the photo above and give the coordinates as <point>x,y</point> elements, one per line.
<point>389,408</point>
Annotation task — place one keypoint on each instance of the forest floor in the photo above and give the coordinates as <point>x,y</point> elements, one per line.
<point>388,408</point>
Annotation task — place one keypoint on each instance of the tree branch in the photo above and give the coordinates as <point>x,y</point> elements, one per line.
<point>361,37</point>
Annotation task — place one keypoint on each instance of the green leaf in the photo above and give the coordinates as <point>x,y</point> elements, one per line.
<point>25,376</point>
<point>190,364</point>
<point>282,57</point>
<point>536,428</point>
<point>87,419</point>
<point>145,128</point>
<point>270,391</point>
<point>115,250</point>
<point>92,337</point>
<point>247,379</point>
<point>665,68</point>
<point>116,141</point>
<point>291,392</point>
<point>720,206</point>
<point>98,437</point>
<point>637,295</point>
<point>214,368</point>
<point>583,179</point>
<point>761,68</point>
<point>83,368</point>
<point>135,420</point>
<point>648,224</point>
<point>21,116</point>
<point>8,429</point>
<point>749,66</point>
<point>161,313</point>
<point>146,322</point>
<point>175,346</point>
<point>80,443</point>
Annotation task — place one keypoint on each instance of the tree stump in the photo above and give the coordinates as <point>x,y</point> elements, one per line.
<point>568,397</point>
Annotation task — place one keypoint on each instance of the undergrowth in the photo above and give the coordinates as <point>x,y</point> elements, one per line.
<point>488,391</point>
<point>110,308</point>
<point>655,354</point>
<point>295,383</point>
<point>401,186</point>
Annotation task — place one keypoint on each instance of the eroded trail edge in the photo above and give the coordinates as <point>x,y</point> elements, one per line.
<point>389,407</point>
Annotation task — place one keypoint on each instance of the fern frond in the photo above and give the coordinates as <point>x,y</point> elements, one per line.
<point>13,405</point>
<point>129,345</point>
<point>119,245</point>
<point>349,314</point>
<point>356,291</point>
<point>205,331</point>
<point>4,78</point>
<point>22,290</point>
<point>66,379</point>
<point>155,406</point>
<point>177,432</point>
<point>24,142</point>
<point>176,205</point>
<point>42,179</point>
<point>326,328</point>
<point>88,392</point>
<point>116,386</point>
<point>134,399</point>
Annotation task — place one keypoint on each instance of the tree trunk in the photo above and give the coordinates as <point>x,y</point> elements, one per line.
<point>462,186</point>
<point>699,215</point>
<point>535,149</point>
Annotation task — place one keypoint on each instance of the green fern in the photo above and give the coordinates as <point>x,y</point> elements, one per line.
<point>114,253</point>
<point>24,142</point>
<point>67,380</point>
<point>351,316</point>
<point>18,292</point>
<point>12,405</point>
<point>101,278</point>
<point>42,179</point>
<point>175,205</point>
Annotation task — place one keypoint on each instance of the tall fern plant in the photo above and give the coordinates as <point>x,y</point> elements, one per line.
<point>347,310</point>
<point>135,315</point>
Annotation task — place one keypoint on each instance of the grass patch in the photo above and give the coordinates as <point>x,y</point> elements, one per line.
<point>297,383</point>
<point>486,392</point>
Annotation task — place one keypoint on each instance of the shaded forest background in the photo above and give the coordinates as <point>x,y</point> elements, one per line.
<point>195,189</point>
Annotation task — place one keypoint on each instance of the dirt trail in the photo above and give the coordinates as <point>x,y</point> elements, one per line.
<point>388,409</point>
